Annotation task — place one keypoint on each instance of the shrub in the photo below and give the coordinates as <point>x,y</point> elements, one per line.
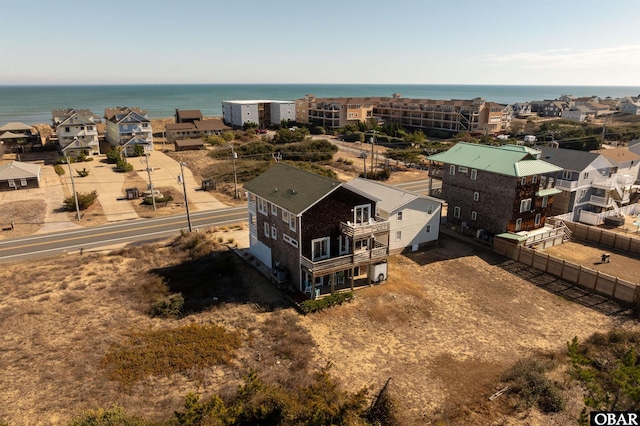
<point>189,348</point>
<point>528,380</point>
<point>148,201</point>
<point>170,307</point>
<point>378,175</point>
<point>113,156</point>
<point>310,306</point>
<point>228,136</point>
<point>122,166</point>
<point>215,140</point>
<point>83,173</point>
<point>84,201</point>
<point>59,169</point>
<point>114,416</point>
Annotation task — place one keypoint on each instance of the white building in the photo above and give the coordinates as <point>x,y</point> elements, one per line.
<point>264,113</point>
<point>630,105</point>
<point>128,127</point>
<point>414,219</point>
<point>77,132</point>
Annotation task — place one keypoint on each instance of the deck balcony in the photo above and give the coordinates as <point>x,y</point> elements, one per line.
<point>378,253</point>
<point>357,231</point>
<point>567,185</point>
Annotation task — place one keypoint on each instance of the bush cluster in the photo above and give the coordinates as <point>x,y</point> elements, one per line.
<point>170,307</point>
<point>84,201</point>
<point>528,381</point>
<point>148,201</point>
<point>310,306</point>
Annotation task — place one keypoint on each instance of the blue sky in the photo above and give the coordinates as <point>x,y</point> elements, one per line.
<point>543,42</point>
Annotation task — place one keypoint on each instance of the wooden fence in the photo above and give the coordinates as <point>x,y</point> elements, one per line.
<point>628,242</point>
<point>606,285</point>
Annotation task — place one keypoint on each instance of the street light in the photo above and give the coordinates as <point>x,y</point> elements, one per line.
<point>234,155</point>
<point>153,193</point>
<point>73,186</point>
<point>184,189</point>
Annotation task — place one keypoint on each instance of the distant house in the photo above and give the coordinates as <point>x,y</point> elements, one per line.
<point>16,175</point>
<point>315,232</point>
<point>496,189</point>
<point>552,109</point>
<point>589,184</point>
<point>14,136</point>
<point>188,144</point>
<point>414,219</point>
<point>195,129</point>
<point>577,113</point>
<point>521,110</point>
<point>263,113</point>
<point>188,115</point>
<point>128,127</point>
<point>76,131</point>
<point>630,105</point>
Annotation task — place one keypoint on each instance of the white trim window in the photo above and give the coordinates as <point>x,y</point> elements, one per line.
<point>262,205</point>
<point>474,174</point>
<point>518,225</point>
<point>430,210</point>
<point>525,205</point>
<point>456,212</point>
<point>398,235</point>
<point>274,209</point>
<point>292,222</point>
<point>474,215</point>
<point>566,174</point>
<point>266,230</point>
<point>534,179</point>
<point>12,183</point>
<point>452,169</point>
<point>476,196</point>
<point>343,244</point>
<point>538,219</point>
<point>428,229</point>
<point>285,215</point>
<point>362,214</point>
<point>23,182</point>
<point>463,169</point>
<point>274,232</point>
<point>320,248</point>
<point>545,201</point>
<point>400,216</point>
<point>290,240</point>
<point>523,181</point>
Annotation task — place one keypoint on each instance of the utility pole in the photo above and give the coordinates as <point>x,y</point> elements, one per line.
<point>234,155</point>
<point>364,162</point>
<point>73,186</point>
<point>153,193</point>
<point>373,141</point>
<point>184,189</point>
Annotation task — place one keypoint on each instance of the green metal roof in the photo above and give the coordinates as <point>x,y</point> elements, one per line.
<point>509,160</point>
<point>291,188</point>
<point>512,236</point>
<point>548,191</point>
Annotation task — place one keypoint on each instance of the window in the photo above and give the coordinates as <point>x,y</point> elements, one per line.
<point>23,182</point>
<point>545,201</point>
<point>518,224</point>
<point>292,222</point>
<point>262,205</point>
<point>456,212</point>
<point>428,228</point>
<point>290,240</point>
<point>361,245</point>
<point>583,192</point>
<point>462,169</point>
<point>398,235</point>
<point>534,179</point>
<point>274,209</point>
<point>320,248</point>
<point>523,181</point>
<point>474,215</point>
<point>429,209</point>
<point>343,244</point>
<point>285,216</point>
<point>362,214</point>
<point>525,205</point>
<point>266,230</point>
<point>274,232</point>
<point>586,175</point>
<point>566,174</point>
<point>538,217</point>
<point>12,183</point>
<point>399,216</point>
<point>474,174</point>
<point>476,196</point>
<point>452,169</point>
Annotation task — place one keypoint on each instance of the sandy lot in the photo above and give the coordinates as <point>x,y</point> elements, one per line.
<point>443,328</point>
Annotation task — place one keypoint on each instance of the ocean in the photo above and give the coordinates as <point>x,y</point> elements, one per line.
<point>33,104</point>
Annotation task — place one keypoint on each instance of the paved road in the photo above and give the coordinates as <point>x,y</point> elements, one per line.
<point>35,246</point>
